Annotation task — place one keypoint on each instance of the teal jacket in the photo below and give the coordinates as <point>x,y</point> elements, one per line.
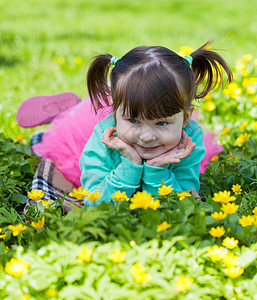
<point>107,171</point>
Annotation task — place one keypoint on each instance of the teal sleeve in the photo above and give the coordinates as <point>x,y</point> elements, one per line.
<point>182,176</point>
<point>107,171</point>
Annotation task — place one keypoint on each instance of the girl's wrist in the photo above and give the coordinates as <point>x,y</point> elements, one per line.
<point>137,162</point>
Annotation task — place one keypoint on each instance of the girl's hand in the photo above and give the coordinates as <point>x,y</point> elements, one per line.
<point>173,156</point>
<point>114,142</point>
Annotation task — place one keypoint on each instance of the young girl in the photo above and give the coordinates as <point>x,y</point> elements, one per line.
<point>143,133</point>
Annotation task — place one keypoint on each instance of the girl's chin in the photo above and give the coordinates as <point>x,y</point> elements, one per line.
<point>148,155</point>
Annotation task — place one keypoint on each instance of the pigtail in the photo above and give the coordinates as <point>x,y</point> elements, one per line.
<point>208,63</point>
<point>97,80</point>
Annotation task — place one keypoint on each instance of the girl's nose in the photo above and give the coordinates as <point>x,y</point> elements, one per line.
<point>147,136</point>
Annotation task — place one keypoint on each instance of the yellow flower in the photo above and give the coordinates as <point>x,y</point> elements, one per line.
<point>17,229</point>
<point>254,100</point>
<point>16,267</point>
<point>251,90</point>
<point>208,97</point>
<point>183,283</point>
<point>163,226</point>
<point>183,195</point>
<point>217,232</point>
<point>234,272</point>
<point>139,273</point>
<point>215,157</point>
<point>230,243</point>
<point>230,260</point>
<point>117,256</point>
<point>229,208</point>
<point>233,90</point>
<point>40,224</point>
<point>46,203</point>
<point>216,253</point>
<point>225,130</point>
<point>25,297</point>
<point>246,82</point>
<point>185,50</point>
<point>13,125</point>
<point>20,137</point>
<point>120,197</point>
<point>79,193</point>
<point>223,197</point>
<point>240,66</point>
<point>51,292</point>
<point>164,190</point>
<point>243,126</point>
<point>85,254</point>
<point>132,243</point>
<point>247,57</point>
<point>2,236</point>
<point>236,93</point>
<point>218,216</point>
<point>154,204</point>
<point>94,196</point>
<point>59,60</point>
<point>245,73</point>
<point>236,188</point>
<point>78,60</point>
<point>246,221</point>
<point>35,195</point>
<point>6,249</point>
<point>140,200</point>
<point>210,106</point>
<point>242,138</point>
<point>255,211</point>
<point>254,125</point>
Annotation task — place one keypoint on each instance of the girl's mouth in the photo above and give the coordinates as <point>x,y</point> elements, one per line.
<point>148,149</point>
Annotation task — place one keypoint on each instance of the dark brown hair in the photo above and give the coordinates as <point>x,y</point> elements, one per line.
<point>155,82</point>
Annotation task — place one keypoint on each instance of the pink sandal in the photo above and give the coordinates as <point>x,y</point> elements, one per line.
<point>41,110</point>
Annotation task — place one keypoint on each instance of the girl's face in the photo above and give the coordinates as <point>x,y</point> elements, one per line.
<point>151,138</point>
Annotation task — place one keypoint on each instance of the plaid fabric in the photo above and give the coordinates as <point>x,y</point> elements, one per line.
<point>52,182</point>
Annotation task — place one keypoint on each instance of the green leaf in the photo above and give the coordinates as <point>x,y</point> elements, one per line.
<point>246,257</point>
<point>186,206</point>
<point>42,276</point>
<point>7,147</point>
<point>122,232</point>
<point>210,221</point>
<point>151,218</point>
<point>77,292</point>
<point>95,231</point>
<point>206,206</point>
<point>23,149</point>
<point>74,273</point>
<point>26,168</point>
<point>21,198</point>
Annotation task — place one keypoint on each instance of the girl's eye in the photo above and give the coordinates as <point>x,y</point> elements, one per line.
<point>161,123</point>
<point>133,121</point>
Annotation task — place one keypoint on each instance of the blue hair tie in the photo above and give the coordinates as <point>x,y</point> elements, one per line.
<point>114,60</point>
<point>189,59</point>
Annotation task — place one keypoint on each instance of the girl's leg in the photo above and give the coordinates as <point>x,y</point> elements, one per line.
<point>40,110</point>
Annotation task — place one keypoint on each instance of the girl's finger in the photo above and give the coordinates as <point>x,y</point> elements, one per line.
<point>184,135</point>
<point>108,133</point>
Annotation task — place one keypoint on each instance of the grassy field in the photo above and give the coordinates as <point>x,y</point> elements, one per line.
<point>46,46</point>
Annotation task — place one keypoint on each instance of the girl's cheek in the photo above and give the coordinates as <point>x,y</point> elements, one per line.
<point>123,134</point>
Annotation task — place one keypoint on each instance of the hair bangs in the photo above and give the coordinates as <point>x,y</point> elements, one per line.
<point>149,93</point>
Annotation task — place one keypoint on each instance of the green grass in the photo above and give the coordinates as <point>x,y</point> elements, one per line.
<point>33,33</point>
